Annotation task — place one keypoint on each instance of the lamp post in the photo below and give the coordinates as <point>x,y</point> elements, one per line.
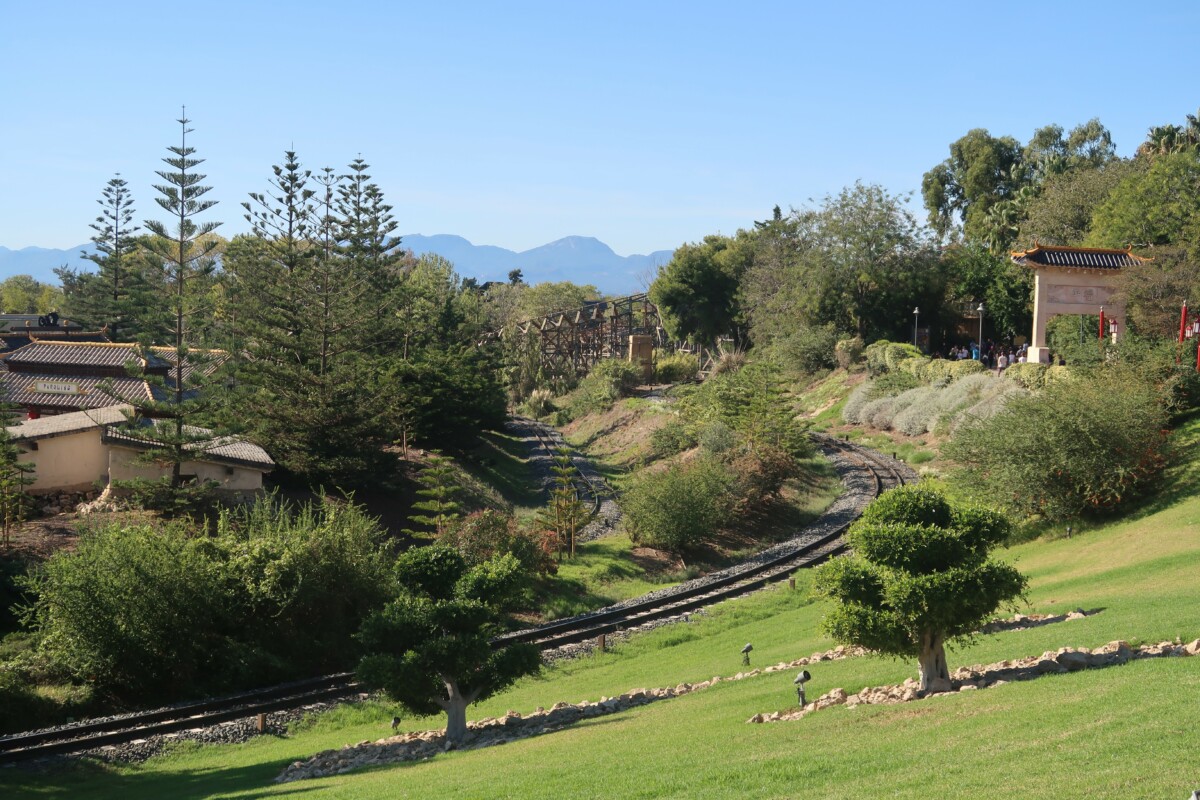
<point>980,310</point>
<point>916,319</point>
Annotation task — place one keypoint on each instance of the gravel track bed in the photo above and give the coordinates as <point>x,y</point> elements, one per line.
<point>609,515</point>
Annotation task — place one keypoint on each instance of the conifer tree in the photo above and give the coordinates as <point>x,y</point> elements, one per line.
<point>15,475</point>
<point>313,292</point>
<point>439,485</point>
<point>185,249</point>
<point>565,513</point>
<point>116,294</point>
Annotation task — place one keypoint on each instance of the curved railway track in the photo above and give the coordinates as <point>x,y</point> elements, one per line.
<point>586,489</point>
<point>872,475</point>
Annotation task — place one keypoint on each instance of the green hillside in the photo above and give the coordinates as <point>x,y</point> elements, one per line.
<point>1118,732</point>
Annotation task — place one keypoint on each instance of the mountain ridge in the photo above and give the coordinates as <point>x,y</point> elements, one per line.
<point>579,259</point>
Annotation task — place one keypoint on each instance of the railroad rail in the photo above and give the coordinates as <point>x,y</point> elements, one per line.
<point>101,733</point>
<point>774,565</point>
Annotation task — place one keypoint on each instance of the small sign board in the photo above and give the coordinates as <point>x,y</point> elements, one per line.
<point>57,387</point>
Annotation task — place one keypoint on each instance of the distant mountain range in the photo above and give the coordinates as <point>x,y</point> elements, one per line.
<point>579,259</point>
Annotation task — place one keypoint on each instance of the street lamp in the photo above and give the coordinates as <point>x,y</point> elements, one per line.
<point>980,310</point>
<point>916,318</point>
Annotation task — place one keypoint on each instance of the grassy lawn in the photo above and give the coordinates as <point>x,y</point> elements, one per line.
<point>1122,732</point>
<point>603,572</point>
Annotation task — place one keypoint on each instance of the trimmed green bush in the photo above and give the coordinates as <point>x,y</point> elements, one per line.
<point>1029,376</point>
<point>896,353</point>
<point>961,369</point>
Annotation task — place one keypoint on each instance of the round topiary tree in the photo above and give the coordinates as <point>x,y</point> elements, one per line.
<point>918,577</point>
<point>429,649</point>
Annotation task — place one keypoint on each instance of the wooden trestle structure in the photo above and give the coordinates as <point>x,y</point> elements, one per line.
<point>573,341</point>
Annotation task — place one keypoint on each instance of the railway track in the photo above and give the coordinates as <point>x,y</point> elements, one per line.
<point>587,489</point>
<point>877,472</point>
<point>778,564</point>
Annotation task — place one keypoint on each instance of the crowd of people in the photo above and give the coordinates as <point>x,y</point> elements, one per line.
<point>996,356</point>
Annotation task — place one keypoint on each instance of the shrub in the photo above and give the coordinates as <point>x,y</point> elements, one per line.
<point>896,353</point>
<point>873,407</point>
<point>938,369</point>
<point>608,382</point>
<point>853,407</point>
<point>894,383</point>
<point>729,361</point>
<point>675,367</point>
<point>147,614</point>
<point>672,438</point>
<point>1057,374</point>
<point>876,356</point>
<point>761,473</point>
<point>811,349</point>
<point>679,508</point>
<point>717,438</point>
<point>848,351</point>
<point>961,369</point>
<point>1028,375</point>
<point>920,407</point>
<point>1086,445</point>
<point>539,403</point>
<point>991,404</point>
<point>489,534</point>
<point>917,367</point>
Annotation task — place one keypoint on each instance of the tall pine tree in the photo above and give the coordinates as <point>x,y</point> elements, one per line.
<point>185,250</point>
<point>116,295</point>
<point>314,291</point>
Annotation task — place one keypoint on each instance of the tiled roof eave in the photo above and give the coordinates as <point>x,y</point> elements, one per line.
<point>119,439</point>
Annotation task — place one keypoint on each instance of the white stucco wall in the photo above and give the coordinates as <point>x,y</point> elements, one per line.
<point>74,461</point>
<point>123,464</point>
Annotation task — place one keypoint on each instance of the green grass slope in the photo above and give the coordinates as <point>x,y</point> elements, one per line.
<point>1121,732</point>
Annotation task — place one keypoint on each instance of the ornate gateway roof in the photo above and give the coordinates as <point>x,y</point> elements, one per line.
<point>1046,255</point>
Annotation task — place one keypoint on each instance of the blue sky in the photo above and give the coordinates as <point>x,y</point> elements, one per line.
<point>643,124</point>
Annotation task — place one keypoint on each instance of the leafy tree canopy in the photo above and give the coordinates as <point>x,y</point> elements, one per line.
<point>696,292</point>
<point>430,650</point>
<point>919,576</point>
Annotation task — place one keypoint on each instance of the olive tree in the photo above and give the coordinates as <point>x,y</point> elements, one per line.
<point>429,649</point>
<point>919,576</point>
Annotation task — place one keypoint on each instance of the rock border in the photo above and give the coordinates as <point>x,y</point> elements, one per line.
<point>965,679</point>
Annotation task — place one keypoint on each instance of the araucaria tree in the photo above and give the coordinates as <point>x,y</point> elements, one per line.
<point>429,649</point>
<point>114,294</point>
<point>919,576</point>
<point>314,291</point>
<point>185,249</point>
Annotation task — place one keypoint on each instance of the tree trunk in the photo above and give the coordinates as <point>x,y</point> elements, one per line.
<point>456,711</point>
<point>931,663</point>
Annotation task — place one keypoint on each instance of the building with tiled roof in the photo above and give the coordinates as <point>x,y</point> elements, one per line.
<point>1074,280</point>
<point>77,450</point>
<point>58,376</point>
